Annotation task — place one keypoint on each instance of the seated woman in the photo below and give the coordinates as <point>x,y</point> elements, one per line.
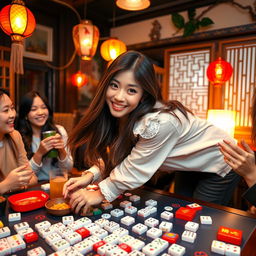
<point>36,117</point>
<point>15,172</point>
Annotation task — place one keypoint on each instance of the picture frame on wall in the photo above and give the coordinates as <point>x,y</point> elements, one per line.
<point>40,44</point>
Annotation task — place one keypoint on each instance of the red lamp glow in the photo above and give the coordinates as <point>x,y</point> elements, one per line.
<point>219,71</point>
<point>79,79</point>
<point>18,22</point>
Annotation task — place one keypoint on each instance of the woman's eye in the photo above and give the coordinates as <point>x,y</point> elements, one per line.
<point>113,85</point>
<point>133,91</point>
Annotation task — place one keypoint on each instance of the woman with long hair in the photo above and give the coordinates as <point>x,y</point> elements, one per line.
<point>36,117</point>
<point>15,172</point>
<point>130,132</point>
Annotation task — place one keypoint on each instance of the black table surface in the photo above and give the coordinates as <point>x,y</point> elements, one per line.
<point>221,216</point>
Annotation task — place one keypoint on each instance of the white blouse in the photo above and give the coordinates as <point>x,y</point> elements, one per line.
<point>172,144</point>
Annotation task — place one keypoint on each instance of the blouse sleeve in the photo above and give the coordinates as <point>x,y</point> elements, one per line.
<point>156,140</point>
<point>67,162</point>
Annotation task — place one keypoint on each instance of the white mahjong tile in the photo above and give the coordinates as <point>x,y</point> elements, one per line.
<point>176,250</point>
<point>70,251</point>
<point>85,221</point>
<point>194,205</point>
<point>58,225</point>
<point>43,224</point>
<point>63,231</point>
<point>151,250</point>
<point>206,220</point>
<point>126,239</point>
<point>45,186</point>
<point>107,206</point>
<point>151,202</point>
<point>14,216</point>
<point>144,212</point>
<point>5,231</point>
<point>84,246</point>
<point>151,222</point>
<point>111,226</point>
<point>125,204</point>
<point>188,236</point>
<point>106,216</point>
<point>127,220</point>
<point>44,232</point>
<point>136,253</point>
<point>154,233</point>
<point>117,213</point>
<point>92,226</point>
<point>111,239</point>
<point>23,232</point>
<point>101,222</point>
<point>139,228</point>
<point>75,225</point>
<point>20,226</point>
<point>38,251</point>
<point>166,215</point>
<point>151,209</point>
<point>60,245</point>
<point>78,224</point>
<point>134,198</point>
<point>121,232</point>
<point>106,248</point>
<point>130,209</point>
<point>232,250</point>
<point>93,238</point>
<point>191,226</point>
<point>16,243</point>
<point>52,238</point>
<point>218,247</point>
<point>165,226</point>
<point>162,244</point>
<point>5,248</point>
<point>73,238</point>
<point>136,244</point>
<point>118,252</point>
<point>100,233</point>
<point>67,220</point>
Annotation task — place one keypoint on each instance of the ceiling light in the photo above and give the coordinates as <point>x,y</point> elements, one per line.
<point>133,5</point>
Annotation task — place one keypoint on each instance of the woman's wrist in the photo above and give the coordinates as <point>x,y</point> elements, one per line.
<point>89,175</point>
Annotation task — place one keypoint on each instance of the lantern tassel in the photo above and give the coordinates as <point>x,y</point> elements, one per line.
<point>16,62</point>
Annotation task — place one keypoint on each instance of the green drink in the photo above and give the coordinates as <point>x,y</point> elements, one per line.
<point>53,152</point>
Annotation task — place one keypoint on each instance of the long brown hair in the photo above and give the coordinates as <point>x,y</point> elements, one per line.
<point>253,115</point>
<point>99,130</point>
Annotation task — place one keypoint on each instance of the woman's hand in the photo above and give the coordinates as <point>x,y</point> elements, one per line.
<point>46,145</point>
<point>17,178</point>
<point>241,160</point>
<point>74,184</point>
<point>81,200</point>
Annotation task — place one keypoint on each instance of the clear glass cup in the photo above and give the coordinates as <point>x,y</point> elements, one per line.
<point>53,152</point>
<point>58,177</point>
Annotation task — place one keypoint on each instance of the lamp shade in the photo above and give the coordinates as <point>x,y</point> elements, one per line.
<point>79,79</point>
<point>86,38</point>
<point>224,119</point>
<point>112,48</point>
<point>17,21</point>
<point>133,5</point>
<point>219,71</point>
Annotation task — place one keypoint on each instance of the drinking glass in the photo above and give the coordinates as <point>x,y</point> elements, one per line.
<point>58,177</point>
<point>53,152</point>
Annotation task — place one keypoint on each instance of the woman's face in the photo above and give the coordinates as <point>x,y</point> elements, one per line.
<point>7,115</point>
<point>123,94</point>
<point>38,113</point>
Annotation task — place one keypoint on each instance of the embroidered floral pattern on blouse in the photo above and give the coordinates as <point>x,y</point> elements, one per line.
<point>148,127</point>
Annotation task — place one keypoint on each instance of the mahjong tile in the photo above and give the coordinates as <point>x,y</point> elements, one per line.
<point>125,204</point>
<point>218,247</point>
<point>45,186</point>
<point>101,222</point>
<point>73,238</point>
<point>121,232</point>
<point>176,250</point>
<point>134,198</point>
<point>84,246</point>
<point>70,251</point>
<point>136,244</point>
<point>25,231</point>
<point>127,220</point>
<point>111,239</point>
<point>130,209</point>
<point>16,243</point>
<point>206,220</point>
<point>165,226</point>
<point>20,226</point>
<point>100,233</point>
<point>111,226</point>
<point>14,216</point>
<point>92,226</point>
<point>195,206</point>
<point>154,233</point>
<point>5,231</point>
<point>118,252</point>
<point>151,202</point>
<point>106,248</point>
<point>93,238</point>
<point>188,236</point>
<point>127,239</point>
<point>60,245</point>
<point>83,232</point>
<point>151,209</point>
<point>191,226</point>
<point>52,238</point>
<point>5,248</point>
<point>139,228</point>
<point>232,250</point>
<point>163,244</point>
<point>166,215</point>
<point>151,222</point>
<point>144,212</point>
<point>43,224</point>
<point>38,251</point>
<point>107,206</point>
<point>44,232</point>
<point>67,220</point>
<point>151,249</point>
<point>85,221</point>
<point>63,231</point>
<point>117,213</point>
<point>136,253</point>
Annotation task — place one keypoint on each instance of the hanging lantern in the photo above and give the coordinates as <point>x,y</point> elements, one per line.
<point>18,22</point>
<point>112,48</point>
<point>86,38</point>
<point>219,71</point>
<point>79,79</point>
<point>133,5</point>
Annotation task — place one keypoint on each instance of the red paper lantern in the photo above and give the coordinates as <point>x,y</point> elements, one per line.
<point>219,71</point>
<point>79,79</point>
<point>18,22</point>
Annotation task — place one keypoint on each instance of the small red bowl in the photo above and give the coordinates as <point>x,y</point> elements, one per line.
<point>28,201</point>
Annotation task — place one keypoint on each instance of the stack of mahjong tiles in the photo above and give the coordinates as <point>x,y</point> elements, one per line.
<point>117,232</point>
